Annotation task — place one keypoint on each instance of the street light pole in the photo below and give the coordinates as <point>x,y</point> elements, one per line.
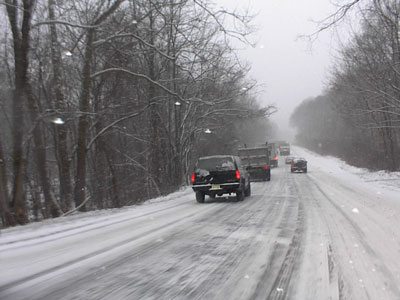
<point>178,166</point>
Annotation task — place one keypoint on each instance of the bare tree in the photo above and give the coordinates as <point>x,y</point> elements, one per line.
<point>20,35</point>
<point>6,217</point>
<point>364,90</point>
<point>133,85</point>
<point>60,106</point>
<point>80,183</point>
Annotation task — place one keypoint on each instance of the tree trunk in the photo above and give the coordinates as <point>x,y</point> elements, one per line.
<point>6,217</point>
<point>80,180</point>
<point>61,130</point>
<point>21,37</point>
<point>18,200</point>
<point>41,156</point>
<point>116,199</point>
<point>154,119</point>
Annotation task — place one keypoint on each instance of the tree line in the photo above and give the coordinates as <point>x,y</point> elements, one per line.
<point>358,116</point>
<point>108,103</point>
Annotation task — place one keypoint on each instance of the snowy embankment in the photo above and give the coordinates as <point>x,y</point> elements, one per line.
<point>80,222</point>
<point>383,184</point>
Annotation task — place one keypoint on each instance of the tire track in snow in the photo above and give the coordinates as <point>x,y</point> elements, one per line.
<point>280,287</point>
<point>215,257</point>
<point>275,282</point>
<point>214,249</point>
<point>93,254</point>
<point>360,236</point>
<point>336,282</point>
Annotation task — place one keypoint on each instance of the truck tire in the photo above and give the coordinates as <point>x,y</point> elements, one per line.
<point>269,178</point>
<point>200,197</point>
<point>239,195</point>
<point>247,192</point>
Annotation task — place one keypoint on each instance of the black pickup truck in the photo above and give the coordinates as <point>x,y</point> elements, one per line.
<point>218,175</point>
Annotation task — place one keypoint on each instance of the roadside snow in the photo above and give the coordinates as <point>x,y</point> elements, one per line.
<point>79,221</point>
<point>382,183</point>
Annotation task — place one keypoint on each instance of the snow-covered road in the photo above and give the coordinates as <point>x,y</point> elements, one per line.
<point>333,233</point>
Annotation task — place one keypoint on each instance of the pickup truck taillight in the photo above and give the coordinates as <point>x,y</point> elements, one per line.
<point>237,174</point>
<point>276,158</point>
<point>266,167</point>
<point>292,164</point>
<point>193,178</point>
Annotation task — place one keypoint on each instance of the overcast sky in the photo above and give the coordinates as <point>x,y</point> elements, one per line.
<point>282,62</point>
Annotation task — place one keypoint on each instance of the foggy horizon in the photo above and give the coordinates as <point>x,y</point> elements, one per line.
<point>287,67</point>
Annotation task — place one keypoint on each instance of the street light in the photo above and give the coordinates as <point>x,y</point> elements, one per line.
<point>58,121</point>
<point>177,105</point>
<point>207,131</point>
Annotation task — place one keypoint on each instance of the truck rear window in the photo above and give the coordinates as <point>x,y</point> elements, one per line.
<point>216,164</point>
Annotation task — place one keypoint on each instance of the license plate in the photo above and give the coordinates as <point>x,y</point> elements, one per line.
<point>215,187</point>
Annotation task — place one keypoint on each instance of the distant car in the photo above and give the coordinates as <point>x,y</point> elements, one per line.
<point>299,164</point>
<point>288,160</point>
<point>218,175</point>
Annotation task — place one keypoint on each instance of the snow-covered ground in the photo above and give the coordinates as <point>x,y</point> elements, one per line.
<point>337,167</point>
<point>329,234</point>
<point>83,221</point>
<point>383,183</point>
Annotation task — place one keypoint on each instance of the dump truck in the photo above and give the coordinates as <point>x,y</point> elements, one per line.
<point>273,154</point>
<point>284,149</point>
<point>257,162</point>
